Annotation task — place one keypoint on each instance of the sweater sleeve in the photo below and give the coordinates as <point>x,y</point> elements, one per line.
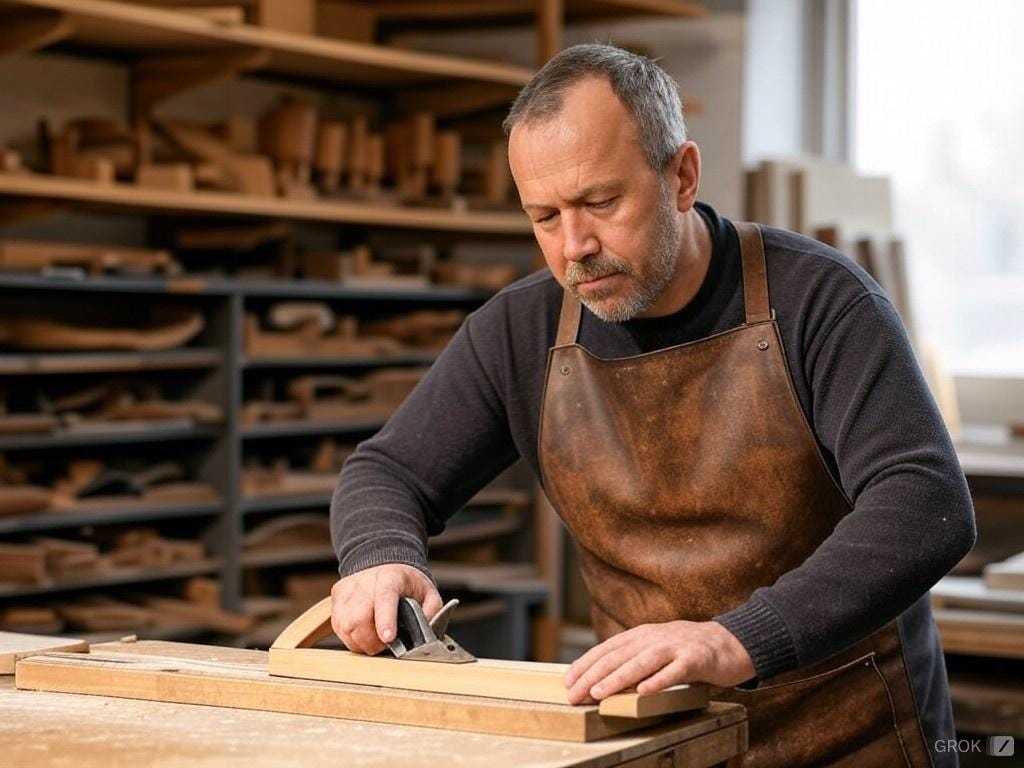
<point>912,518</point>
<point>445,442</point>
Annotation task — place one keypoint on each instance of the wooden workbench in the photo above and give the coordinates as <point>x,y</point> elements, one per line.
<point>39,729</point>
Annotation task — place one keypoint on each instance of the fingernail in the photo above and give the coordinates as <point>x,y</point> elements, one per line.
<point>386,635</point>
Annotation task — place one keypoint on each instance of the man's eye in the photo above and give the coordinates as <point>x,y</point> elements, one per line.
<point>542,219</point>
<point>602,203</point>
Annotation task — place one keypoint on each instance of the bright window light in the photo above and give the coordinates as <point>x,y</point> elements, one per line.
<point>939,109</point>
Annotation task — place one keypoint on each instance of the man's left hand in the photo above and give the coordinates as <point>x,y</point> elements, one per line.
<point>652,657</point>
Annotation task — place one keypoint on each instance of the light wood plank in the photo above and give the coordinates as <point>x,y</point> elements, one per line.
<point>15,646</point>
<point>231,677</point>
<point>495,678</point>
<point>126,197</point>
<point>973,592</point>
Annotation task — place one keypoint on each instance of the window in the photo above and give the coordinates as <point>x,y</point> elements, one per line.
<point>939,108</point>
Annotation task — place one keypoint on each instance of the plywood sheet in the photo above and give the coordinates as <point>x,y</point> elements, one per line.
<point>497,678</point>
<point>15,646</point>
<point>230,677</point>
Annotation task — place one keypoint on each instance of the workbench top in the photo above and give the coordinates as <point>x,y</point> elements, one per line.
<point>41,729</point>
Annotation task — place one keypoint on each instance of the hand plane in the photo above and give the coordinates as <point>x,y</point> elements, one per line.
<point>420,640</point>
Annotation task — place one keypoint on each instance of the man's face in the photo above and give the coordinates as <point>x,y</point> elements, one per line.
<point>606,222</point>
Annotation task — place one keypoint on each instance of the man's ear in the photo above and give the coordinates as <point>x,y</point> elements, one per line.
<point>684,172</point>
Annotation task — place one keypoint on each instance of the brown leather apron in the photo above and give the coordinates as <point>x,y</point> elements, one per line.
<point>690,477</point>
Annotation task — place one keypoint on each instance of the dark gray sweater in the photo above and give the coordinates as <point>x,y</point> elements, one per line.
<point>856,377</point>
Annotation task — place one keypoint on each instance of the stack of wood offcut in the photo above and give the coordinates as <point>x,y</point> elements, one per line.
<point>832,203</point>
<point>46,560</point>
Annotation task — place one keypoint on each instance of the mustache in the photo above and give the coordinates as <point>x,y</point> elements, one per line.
<point>595,267</point>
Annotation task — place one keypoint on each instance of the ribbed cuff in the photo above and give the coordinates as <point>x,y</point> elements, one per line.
<point>764,634</point>
<point>377,554</point>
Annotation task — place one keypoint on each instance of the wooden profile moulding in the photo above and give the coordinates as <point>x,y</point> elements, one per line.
<point>293,655</point>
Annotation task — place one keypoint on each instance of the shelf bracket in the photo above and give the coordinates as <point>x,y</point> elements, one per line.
<point>30,32</point>
<point>157,78</point>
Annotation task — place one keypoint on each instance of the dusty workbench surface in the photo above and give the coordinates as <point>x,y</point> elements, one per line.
<point>59,729</point>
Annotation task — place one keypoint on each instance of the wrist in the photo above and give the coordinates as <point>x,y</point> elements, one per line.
<point>732,657</point>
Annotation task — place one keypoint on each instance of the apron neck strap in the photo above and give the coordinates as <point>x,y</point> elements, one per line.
<point>755,274</point>
<point>755,287</point>
<point>568,320</point>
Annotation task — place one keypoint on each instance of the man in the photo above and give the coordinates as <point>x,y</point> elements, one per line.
<point>729,420</point>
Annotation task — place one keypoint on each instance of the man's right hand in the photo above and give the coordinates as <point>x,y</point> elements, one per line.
<point>364,606</point>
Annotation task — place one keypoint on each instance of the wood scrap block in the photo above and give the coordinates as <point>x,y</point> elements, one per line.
<point>447,170</point>
<point>23,564</point>
<point>202,590</point>
<point>241,134</point>
<point>15,646</point>
<point>297,531</point>
<point>23,499</point>
<point>174,177</point>
<point>295,16</point>
<point>346,21</point>
<point>103,614</point>
<point>331,147</point>
<point>31,619</point>
<point>357,161</point>
<point>202,614</point>
<point>1008,574</point>
<point>305,589</point>
<point>67,559</point>
<point>36,256</point>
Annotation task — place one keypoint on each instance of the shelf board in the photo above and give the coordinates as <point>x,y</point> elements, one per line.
<point>288,556</point>
<point>124,30</point>
<point>101,362</point>
<point>114,578</point>
<point>322,289</point>
<point>411,358</point>
<point>130,198</point>
<point>149,434</point>
<point>51,520</point>
<point>486,498</point>
<point>403,13</point>
<point>303,428</point>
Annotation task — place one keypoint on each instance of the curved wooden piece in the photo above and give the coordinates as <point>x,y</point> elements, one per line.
<point>308,629</point>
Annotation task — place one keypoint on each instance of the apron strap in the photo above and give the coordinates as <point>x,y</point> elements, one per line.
<point>568,320</point>
<point>755,274</point>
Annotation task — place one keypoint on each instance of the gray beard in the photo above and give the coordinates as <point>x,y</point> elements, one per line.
<point>646,287</point>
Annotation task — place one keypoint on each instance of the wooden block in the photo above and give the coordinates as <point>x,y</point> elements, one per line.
<point>176,177</point>
<point>23,500</point>
<point>297,16</point>
<point>105,615</point>
<point>23,564</point>
<point>331,147</point>
<point>497,176</point>
<point>422,130</point>
<point>448,161</point>
<point>347,21</point>
<point>15,646</point>
<point>212,617</point>
<point>985,633</point>
<point>203,590</point>
<point>1008,574</point>
<point>238,678</point>
<point>973,592</point>
<point>34,255</point>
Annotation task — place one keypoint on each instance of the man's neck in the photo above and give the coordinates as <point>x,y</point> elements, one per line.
<point>691,266</point>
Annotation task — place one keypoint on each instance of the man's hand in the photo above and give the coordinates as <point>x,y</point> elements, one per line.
<point>652,657</point>
<point>364,606</point>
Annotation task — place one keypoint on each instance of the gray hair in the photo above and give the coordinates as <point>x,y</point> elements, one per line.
<point>646,90</point>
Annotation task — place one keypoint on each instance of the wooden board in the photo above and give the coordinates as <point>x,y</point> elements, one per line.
<point>232,677</point>
<point>985,633</point>
<point>497,678</point>
<point>15,646</point>
<point>1008,574</point>
<point>973,592</point>
<point>99,731</point>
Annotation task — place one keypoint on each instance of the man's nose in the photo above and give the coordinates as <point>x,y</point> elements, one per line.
<point>579,240</point>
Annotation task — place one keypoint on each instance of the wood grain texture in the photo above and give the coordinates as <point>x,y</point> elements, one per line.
<point>495,678</point>
<point>231,677</point>
<point>15,646</point>
<point>97,731</point>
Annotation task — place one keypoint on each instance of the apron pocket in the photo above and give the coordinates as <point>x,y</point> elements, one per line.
<point>842,716</point>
